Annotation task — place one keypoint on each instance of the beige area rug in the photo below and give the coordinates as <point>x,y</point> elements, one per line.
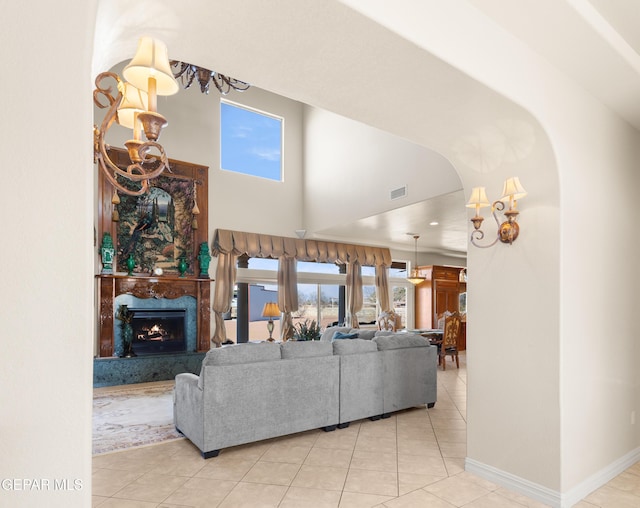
<point>132,415</point>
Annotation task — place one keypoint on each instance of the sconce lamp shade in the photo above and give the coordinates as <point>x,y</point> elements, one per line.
<point>134,101</point>
<point>271,310</point>
<point>478,198</point>
<point>512,189</point>
<point>151,61</point>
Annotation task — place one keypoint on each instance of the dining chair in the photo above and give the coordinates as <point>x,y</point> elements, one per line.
<point>388,321</point>
<point>449,346</point>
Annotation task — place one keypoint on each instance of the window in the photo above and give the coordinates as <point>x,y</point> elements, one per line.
<point>399,302</point>
<point>263,264</point>
<point>398,269</point>
<point>321,295</point>
<point>317,302</point>
<point>250,142</point>
<point>369,312</point>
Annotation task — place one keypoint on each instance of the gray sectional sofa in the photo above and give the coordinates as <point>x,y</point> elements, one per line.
<point>255,391</point>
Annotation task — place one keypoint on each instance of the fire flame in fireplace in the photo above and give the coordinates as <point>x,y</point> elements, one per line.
<point>156,332</point>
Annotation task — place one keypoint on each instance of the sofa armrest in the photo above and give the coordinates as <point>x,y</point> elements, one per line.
<point>188,408</point>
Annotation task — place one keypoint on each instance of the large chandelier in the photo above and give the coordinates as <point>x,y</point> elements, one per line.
<point>135,106</point>
<point>187,73</point>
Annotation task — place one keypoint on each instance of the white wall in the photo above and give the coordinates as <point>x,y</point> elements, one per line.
<point>588,387</point>
<point>46,263</point>
<point>350,169</point>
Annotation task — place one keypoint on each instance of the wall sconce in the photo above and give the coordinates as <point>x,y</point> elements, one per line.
<point>507,230</point>
<point>270,310</point>
<point>135,106</point>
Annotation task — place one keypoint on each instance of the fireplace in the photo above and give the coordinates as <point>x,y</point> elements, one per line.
<point>157,331</point>
<point>156,293</point>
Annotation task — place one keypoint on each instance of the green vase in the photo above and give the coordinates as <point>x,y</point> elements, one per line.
<point>131,264</point>
<point>182,266</point>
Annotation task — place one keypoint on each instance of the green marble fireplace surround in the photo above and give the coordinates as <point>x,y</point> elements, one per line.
<point>143,369</point>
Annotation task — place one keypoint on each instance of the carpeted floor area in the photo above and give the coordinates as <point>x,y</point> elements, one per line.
<point>132,415</point>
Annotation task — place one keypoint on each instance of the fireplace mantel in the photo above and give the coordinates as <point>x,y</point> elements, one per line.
<point>171,287</point>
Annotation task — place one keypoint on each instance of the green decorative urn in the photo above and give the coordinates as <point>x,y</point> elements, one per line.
<point>204,258</point>
<point>131,264</point>
<point>182,266</point>
<point>106,253</point>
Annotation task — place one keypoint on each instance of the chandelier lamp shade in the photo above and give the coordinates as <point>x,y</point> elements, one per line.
<point>508,229</point>
<point>270,310</point>
<point>415,278</point>
<point>134,106</point>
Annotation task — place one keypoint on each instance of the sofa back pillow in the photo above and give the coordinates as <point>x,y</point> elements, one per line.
<point>399,341</point>
<point>364,334</point>
<point>353,347</point>
<point>305,349</point>
<point>327,335</point>
<point>250,352</point>
<point>341,336</point>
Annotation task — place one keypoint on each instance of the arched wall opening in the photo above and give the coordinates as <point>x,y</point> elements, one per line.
<point>334,58</point>
<point>493,109</point>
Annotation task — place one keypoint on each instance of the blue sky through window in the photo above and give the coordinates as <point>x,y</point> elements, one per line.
<point>250,142</point>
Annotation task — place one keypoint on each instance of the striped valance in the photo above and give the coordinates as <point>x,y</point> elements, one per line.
<point>256,245</point>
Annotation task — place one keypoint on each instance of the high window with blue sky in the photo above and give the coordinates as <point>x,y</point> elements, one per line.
<point>250,141</point>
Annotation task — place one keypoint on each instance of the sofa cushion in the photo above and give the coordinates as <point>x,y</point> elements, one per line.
<point>384,333</point>
<point>305,349</point>
<point>249,352</point>
<point>365,334</point>
<point>399,341</point>
<point>352,347</point>
<point>340,335</point>
<point>327,335</point>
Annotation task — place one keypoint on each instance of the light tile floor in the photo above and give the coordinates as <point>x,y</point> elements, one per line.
<point>415,458</point>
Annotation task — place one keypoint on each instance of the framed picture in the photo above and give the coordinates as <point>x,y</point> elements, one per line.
<point>158,228</point>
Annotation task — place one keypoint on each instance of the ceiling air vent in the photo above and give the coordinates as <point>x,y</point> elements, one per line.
<point>398,193</point>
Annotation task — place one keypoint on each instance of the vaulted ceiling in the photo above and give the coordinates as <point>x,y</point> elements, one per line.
<point>593,42</point>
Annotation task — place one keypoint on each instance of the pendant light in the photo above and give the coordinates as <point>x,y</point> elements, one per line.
<point>415,278</point>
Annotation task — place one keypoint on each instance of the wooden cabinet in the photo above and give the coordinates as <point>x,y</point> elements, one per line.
<point>440,292</point>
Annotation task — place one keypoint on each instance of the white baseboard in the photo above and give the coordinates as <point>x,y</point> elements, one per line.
<point>514,483</point>
<point>597,480</point>
<point>551,497</point>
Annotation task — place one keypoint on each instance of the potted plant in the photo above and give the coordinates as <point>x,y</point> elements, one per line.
<point>307,331</point>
